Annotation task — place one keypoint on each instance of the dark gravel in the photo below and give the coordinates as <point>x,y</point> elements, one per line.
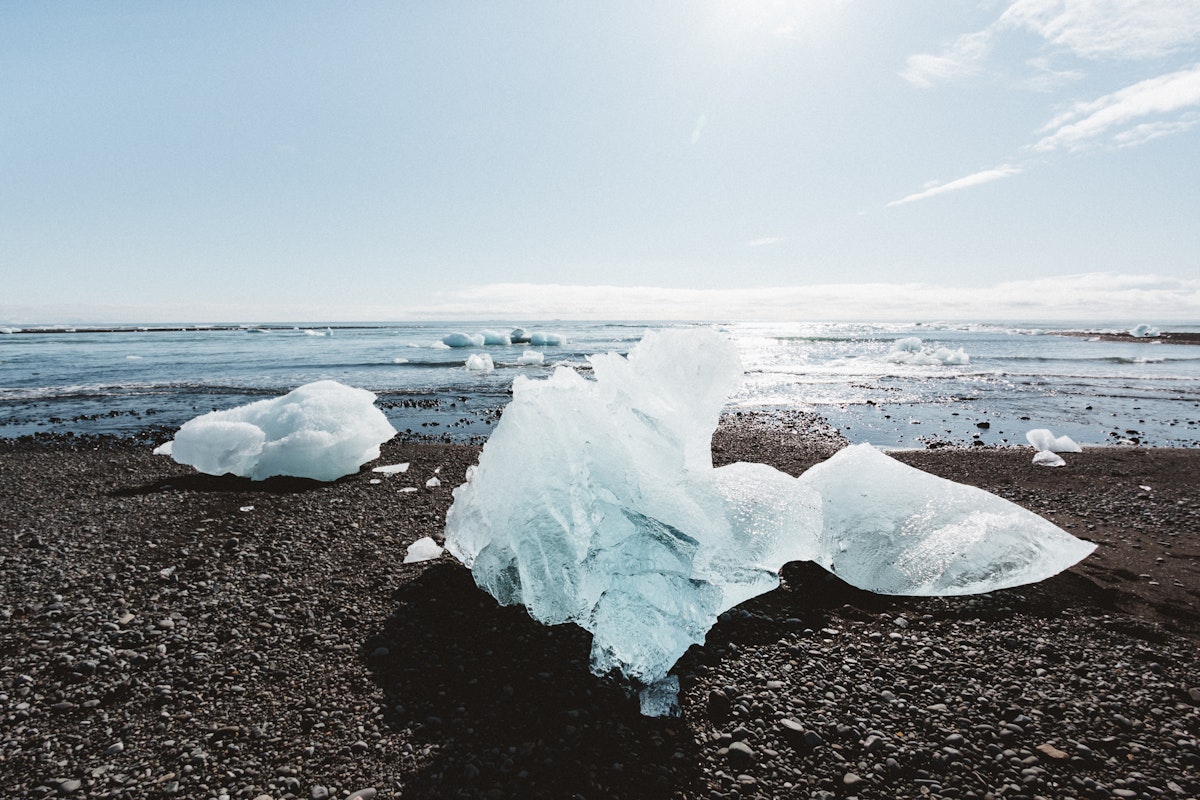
<point>168,634</point>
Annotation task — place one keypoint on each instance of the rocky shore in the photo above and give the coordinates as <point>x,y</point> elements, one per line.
<point>169,634</point>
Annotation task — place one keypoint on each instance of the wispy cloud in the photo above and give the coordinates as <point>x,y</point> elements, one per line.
<point>1109,29</point>
<point>1122,30</point>
<point>1140,134</point>
<point>974,179</point>
<point>1087,122</point>
<point>764,241</point>
<point>961,58</point>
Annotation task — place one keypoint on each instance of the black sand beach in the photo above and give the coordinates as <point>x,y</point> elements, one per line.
<point>169,634</point>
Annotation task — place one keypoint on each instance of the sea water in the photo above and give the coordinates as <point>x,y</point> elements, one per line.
<point>128,380</point>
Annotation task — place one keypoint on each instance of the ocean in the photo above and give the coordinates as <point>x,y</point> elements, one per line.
<point>893,385</point>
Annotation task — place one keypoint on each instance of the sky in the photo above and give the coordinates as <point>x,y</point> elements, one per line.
<point>807,160</point>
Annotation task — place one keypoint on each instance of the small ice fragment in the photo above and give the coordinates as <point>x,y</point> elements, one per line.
<point>246,508</point>
<point>531,357</point>
<point>1145,488</point>
<point>133,358</point>
<point>432,483</point>
<point>1043,439</point>
<point>374,480</point>
<point>164,449</point>
<point>399,360</point>
<point>423,549</point>
<point>661,698</point>
<point>1047,458</point>
<point>166,573</point>
<point>480,362</point>
<point>391,469</point>
<point>407,489</point>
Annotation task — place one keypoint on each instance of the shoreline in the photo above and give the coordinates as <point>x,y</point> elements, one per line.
<point>264,638</point>
<point>1169,337</point>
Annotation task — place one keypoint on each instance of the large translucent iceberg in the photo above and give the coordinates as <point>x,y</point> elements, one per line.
<point>322,430</point>
<point>596,502</point>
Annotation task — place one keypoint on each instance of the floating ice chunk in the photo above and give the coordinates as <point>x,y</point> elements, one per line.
<point>1043,439</point>
<point>546,339</point>
<point>463,340</point>
<point>1047,458</point>
<point>912,350</point>
<point>595,502</point>
<point>480,362</point>
<point>9,330</point>
<point>531,357</point>
<point>423,549</point>
<point>493,338</point>
<point>322,430</point>
<point>391,469</point>
<point>399,360</point>
<point>1143,331</point>
<point>519,336</point>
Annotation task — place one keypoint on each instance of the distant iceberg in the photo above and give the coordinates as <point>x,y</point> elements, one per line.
<point>1143,331</point>
<point>596,502</point>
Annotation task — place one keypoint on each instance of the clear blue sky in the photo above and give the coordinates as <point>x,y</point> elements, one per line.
<point>220,161</point>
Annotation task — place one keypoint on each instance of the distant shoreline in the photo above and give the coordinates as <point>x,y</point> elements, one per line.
<point>1171,337</point>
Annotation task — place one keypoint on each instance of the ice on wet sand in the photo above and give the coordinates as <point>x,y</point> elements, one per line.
<point>1043,440</point>
<point>322,430</point>
<point>596,502</point>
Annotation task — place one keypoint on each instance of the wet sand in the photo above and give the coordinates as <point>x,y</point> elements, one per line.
<point>169,634</point>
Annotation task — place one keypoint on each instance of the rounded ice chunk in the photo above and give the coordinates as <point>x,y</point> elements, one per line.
<point>423,549</point>
<point>531,357</point>
<point>519,336</point>
<point>322,430</point>
<point>462,340</point>
<point>546,339</point>
<point>480,362</point>
<point>1045,458</point>
<point>495,338</point>
<point>1143,331</point>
